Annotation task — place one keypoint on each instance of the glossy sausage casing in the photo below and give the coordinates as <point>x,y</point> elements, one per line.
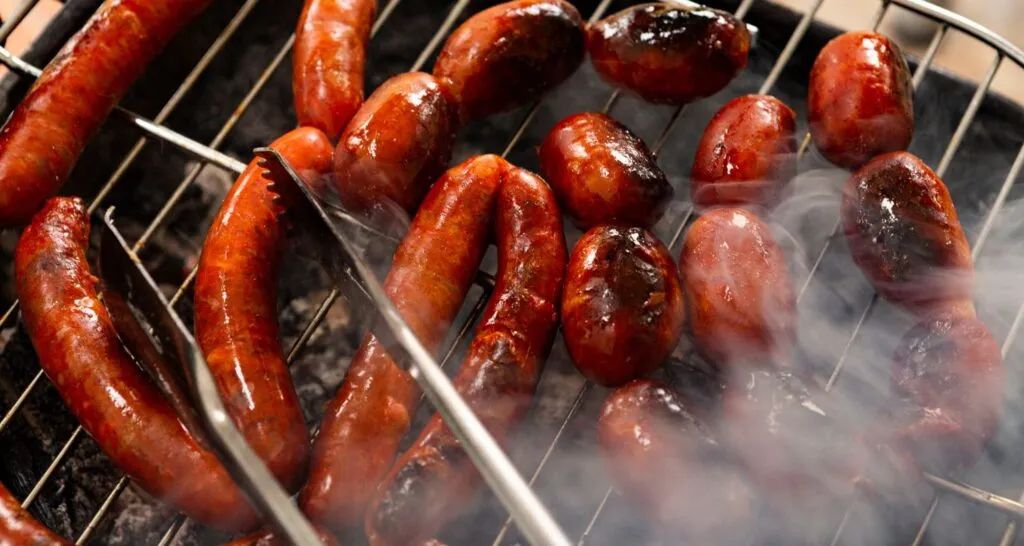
<point>43,138</point>
<point>397,145</point>
<point>669,54</point>
<point>430,275</point>
<point>509,55</point>
<point>330,54</point>
<point>19,528</point>
<point>433,480</point>
<point>112,398</point>
<point>904,234</point>
<point>622,309</point>
<point>236,309</point>
<point>746,154</point>
<point>603,173</point>
<point>860,102</point>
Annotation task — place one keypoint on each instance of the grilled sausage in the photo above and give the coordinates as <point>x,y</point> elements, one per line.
<point>903,232</point>
<point>19,528</point>
<point>663,457</point>
<point>430,275</point>
<point>622,309</point>
<point>236,310</point>
<point>603,173</point>
<point>669,54</point>
<point>43,138</point>
<point>738,294</point>
<point>510,54</point>
<point>860,101</point>
<point>79,350</point>
<point>435,477</point>
<point>268,538</point>
<point>397,144</point>
<point>746,155</point>
<point>330,54</point>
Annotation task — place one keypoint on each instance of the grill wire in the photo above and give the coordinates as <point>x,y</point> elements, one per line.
<point>208,153</point>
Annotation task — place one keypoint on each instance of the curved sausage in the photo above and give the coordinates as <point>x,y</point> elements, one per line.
<point>739,296</point>
<point>43,138</point>
<point>669,54</point>
<point>397,145</point>
<point>435,477</point>
<point>622,309</point>
<point>430,275</point>
<point>860,100</point>
<point>236,310</point>
<point>268,538</point>
<point>509,55</point>
<point>330,53</point>
<point>19,528</point>
<point>904,234</point>
<point>111,397</point>
<point>603,173</point>
<point>663,457</point>
<point>746,154</point>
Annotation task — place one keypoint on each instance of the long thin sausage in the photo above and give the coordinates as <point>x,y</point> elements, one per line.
<point>121,409</point>
<point>435,477</point>
<point>236,310</point>
<point>430,275</point>
<point>48,130</point>
<point>19,528</point>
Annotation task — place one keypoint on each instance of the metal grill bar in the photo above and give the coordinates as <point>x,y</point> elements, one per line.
<point>16,18</point>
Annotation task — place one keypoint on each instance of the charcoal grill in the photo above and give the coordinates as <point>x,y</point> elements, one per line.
<point>973,138</point>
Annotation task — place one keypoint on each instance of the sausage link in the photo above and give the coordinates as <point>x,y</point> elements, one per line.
<point>19,528</point>
<point>114,401</point>
<point>330,54</point>
<point>236,310</point>
<point>435,477</point>
<point>42,140</point>
<point>269,538</point>
<point>430,275</point>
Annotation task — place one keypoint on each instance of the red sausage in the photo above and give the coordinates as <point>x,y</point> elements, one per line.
<point>330,53</point>
<point>236,310</point>
<point>121,409</point>
<point>430,275</point>
<point>67,104</point>
<point>268,538</point>
<point>19,528</point>
<point>746,155</point>
<point>435,477</point>
<point>397,145</point>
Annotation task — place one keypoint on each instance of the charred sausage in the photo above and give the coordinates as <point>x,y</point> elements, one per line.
<point>397,144</point>
<point>268,538</point>
<point>430,275</point>
<point>236,309</point>
<point>509,55</point>
<point>435,477</point>
<point>746,154</point>
<point>330,54</point>
<point>860,101</point>
<point>19,528</point>
<point>739,297</point>
<point>904,234</point>
<point>43,138</point>
<point>603,173</point>
<point>114,401</point>
<point>622,309</point>
<point>669,54</point>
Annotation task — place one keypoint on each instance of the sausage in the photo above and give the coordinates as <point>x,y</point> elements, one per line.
<point>738,293</point>
<point>268,538</point>
<point>19,528</point>
<point>669,54</point>
<point>46,133</point>
<point>397,145</point>
<point>236,310</point>
<point>948,373</point>
<point>904,234</point>
<point>430,275</point>
<point>746,154</point>
<point>664,458</point>
<point>622,309</point>
<point>328,67</point>
<point>860,100</point>
<point>114,401</point>
<point>434,478</point>
<point>603,173</point>
<point>509,55</point>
